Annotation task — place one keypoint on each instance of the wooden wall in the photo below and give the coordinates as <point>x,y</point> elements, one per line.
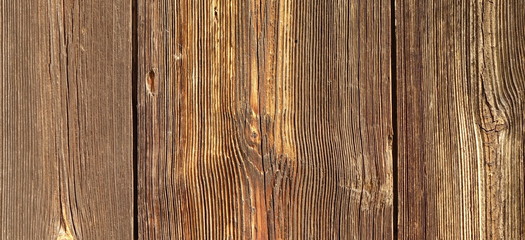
<point>268,119</point>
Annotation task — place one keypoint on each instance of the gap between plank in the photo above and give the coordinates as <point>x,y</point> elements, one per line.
<point>393,87</point>
<point>134,102</point>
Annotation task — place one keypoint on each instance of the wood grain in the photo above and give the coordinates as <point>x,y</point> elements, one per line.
<point>200,174</point>
<point>65,120</point>
<point>460,119</point>
<point>327,119</point>
<point>264,119</point>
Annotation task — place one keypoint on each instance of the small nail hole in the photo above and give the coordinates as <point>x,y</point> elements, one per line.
<point>150,82</point>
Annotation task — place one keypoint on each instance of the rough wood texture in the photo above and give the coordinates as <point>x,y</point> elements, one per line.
<point>461,96</point>
<point>200,174</point>
<point>264,119</point>
<point>326,118</point>
<point>65,120</point>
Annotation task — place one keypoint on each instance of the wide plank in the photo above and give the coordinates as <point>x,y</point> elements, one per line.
<point>264,119</point>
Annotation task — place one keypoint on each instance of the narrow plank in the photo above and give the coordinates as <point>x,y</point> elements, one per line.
<point>461,122</point>
<point>327,118</point>
<point>65,120</point>
<point>264,119</point>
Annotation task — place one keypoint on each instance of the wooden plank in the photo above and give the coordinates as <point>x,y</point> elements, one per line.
<point>264,119</point>
<point>65,120</point>
<point>461,96</point>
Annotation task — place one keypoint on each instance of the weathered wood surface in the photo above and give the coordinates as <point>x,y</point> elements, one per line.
<point>264,119</point>
<point>65,120</point>
<point>460,117</point>
<point>269,119</point>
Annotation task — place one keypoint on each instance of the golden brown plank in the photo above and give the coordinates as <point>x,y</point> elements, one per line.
<point>264,119</point>
<point>65,120</point>
<point>460,120</point>
<point>200,172</point>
